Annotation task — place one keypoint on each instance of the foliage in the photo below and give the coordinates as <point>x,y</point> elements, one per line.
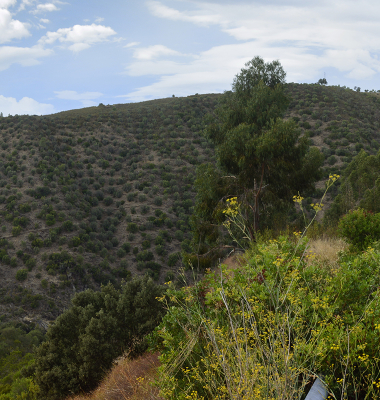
<point>262,159</point>
<point>263,330</point>
<point>16,356</point>
<point>83,342</point>
<point>53,165</point>
<point>360,228</point>
<point>360,187</point>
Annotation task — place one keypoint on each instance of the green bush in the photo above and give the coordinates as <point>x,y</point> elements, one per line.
<point>173,259</point>
<point>108,200</point>
<point>265,328</point>
<point>132,227</point>
<point>50,219</point>
<point>83,342</point>
<point>21,275</point>
<point>158,201</point>
<point>360,228</point>
<point>145,255</point>
<point>16,230</point>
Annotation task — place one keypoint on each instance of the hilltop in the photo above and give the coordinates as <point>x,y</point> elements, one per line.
<point>103,193</point>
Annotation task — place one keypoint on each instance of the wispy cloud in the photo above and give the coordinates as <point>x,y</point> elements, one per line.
<point>305,36</point>
<point>27,105</point>
<point>78,37</point>
<point>151,52</point>
<point>86,98</point>
<point>132,44</point>
<point>200,17</point>
<point>25,56</point>
<point>43,8</point>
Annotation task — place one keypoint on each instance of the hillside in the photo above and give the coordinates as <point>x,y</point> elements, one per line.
<point>99,194</point>
<point>95,195</point>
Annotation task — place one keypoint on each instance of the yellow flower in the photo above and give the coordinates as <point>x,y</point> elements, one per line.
<point>298,199</point>
<point>317,206</point>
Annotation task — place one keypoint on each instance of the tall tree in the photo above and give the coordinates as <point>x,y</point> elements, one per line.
<point>261,158</point>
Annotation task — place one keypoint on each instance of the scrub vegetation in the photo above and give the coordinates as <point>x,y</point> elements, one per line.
<point>115,219</point>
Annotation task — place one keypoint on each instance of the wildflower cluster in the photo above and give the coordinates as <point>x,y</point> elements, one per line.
<point>232,209</point>
<point>235,222</point>
<point>298,199</point>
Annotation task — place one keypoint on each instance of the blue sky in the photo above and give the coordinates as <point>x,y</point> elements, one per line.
<point>59,55</point>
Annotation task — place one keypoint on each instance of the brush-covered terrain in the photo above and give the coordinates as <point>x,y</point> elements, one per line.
<point>99,194</point>
<point>95,195</point>
<point>104,194</point>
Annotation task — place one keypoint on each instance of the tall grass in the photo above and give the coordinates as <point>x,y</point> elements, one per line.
<point>128,380</point>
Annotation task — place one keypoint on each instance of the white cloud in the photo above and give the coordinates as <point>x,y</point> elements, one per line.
<point>7,3</point>
<point>99,19</point>
<point>148,53</point>
<point>132,44</point>
<point>25,56</point>
<point>86,98</point>
<point>204,17</point>
<point>47,7</point>
<point>9,105</point>
<point>44,21</point>
<point>23,4</point>
<point>307,37</point>
<point>10,28</point>
<point>79,37</point>
<point>212,71</point>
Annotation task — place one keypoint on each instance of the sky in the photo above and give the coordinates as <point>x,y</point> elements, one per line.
<point>62,55</point>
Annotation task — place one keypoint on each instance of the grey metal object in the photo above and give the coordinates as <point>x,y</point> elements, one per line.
<point>318,391</point>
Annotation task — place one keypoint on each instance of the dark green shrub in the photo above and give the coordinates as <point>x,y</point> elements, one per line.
<point>173,259</point>
<point>84,341</point>
<point>75,241</point>
<point>121,253</point>
<point>331,160</point>
<point>50,219</point>
<point>30,263</point>
<point>179,235</point>
<point>132,227</point>
<point>160,250</point>
<point>68,226</point>
<point>158,201</point>
<point>360,228</point>
<point>21,275</point>
<point>146,244</point>
<point>159,240</point>
<point>16,230</point>
<point>108,200</point>
<point>126,247</point>
<point>144,209</point>
<point>145,255</point>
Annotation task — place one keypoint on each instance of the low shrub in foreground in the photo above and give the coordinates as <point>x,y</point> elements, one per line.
<point>265,329</point>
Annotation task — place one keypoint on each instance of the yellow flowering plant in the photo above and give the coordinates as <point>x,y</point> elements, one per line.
<point>268,327</point>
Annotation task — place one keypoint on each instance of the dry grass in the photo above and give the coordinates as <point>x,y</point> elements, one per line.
<point>326,250</point>
<point>128,380</point>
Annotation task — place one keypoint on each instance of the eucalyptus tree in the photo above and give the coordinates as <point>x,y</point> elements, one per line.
<point>262,159</point>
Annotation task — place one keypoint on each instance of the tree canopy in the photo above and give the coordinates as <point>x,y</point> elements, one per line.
<point>262,159</point>
<point>85,340</point>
